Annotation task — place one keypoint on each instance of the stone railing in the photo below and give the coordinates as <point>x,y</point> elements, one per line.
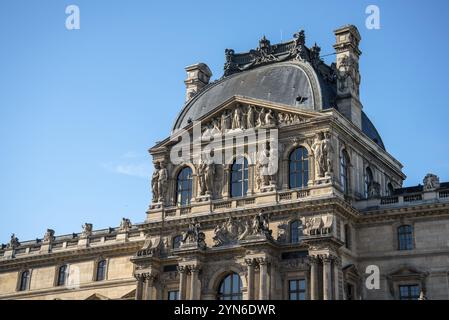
<point>403,199</point>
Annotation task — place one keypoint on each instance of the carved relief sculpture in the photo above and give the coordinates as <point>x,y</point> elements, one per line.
<point>431,182</point>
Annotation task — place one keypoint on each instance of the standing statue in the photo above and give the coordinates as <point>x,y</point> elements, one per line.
<point>193,236</point>
<point>13,242</point>
<point>264,167</point>
<point>201,172</point>
<point>49,236</point>
<point>236,120</point>
<point>162,181</point>
<point>260,118</point>
<point>250,117</point>
<point>154,182</point>
<point>322,149</point>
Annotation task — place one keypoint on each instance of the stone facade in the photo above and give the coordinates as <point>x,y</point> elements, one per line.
<point>279,238</point>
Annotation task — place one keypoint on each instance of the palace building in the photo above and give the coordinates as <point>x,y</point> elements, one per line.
<point>274,184</point>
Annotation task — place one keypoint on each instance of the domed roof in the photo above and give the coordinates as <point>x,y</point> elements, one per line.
<point>288,73</point>
<point>290,83</point>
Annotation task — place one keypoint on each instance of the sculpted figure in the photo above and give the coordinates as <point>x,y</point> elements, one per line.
<point>260,118</point>
<point>250,118</point>
<point>322,149</point>
<point>162,181</point>
<point>13,242</point>
<point>49,235</point>
<point>269,118</point>
<point>236,120</point>
<point>154,182</point>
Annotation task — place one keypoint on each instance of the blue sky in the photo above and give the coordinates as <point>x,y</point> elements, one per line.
<point>79,109</point>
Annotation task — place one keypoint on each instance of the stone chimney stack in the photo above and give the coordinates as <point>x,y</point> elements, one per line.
<point>198,76</point>
<point>348,75</point>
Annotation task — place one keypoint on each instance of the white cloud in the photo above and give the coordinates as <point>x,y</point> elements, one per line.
<point>141,170</point>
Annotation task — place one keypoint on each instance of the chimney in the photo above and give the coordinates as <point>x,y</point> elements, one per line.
<point>348,75</point>
<point>198,76</point>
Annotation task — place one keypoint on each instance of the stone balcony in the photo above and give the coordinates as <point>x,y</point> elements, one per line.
<point>404,200</point>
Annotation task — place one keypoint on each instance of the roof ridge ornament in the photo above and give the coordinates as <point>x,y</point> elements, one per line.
<point>267,53</point>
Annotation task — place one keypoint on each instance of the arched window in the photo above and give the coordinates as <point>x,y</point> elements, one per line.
<point>405,237</point>
<point>230,288</point>
<point>368,180</point>
<point>184,187</point>
<point>62,275</point>
<point>299,168</point>
<point>296,231</point>
<point>24,280</point>
<point>176,242</point>
<point>101,270</point>
<point>239,177</point>
<point>344,171</point>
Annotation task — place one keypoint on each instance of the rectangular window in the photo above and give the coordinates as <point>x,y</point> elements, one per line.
<point>409,292</point>
<point>173,295</point>
<point>297,289</point>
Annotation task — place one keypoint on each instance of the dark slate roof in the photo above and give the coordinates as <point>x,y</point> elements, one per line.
<point>279,73</point>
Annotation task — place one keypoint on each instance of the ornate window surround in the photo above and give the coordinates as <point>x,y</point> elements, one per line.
<point>306,160</point>
<point>67,273</point>
<point>406,275</point>
<point>96,262</point>
<point>284,169</point>
<point>175,197</point>
<point>19,279</point>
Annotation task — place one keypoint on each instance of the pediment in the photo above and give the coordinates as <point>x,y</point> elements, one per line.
<point>241,114</point>
<point>130,295</point>
<point>406,272</point>
<point>97,296</point>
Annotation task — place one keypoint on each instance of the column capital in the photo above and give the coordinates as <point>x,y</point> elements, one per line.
<point>194,268</point>
<point>250,262</point>
<point>181,269</point>
<point>262,260</point>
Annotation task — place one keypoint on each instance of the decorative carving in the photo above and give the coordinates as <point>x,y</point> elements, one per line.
<point>282,232</point>
<point>266,167</point>
<point>49,236</point>
<point>431,182</point>
<point>323,150</point>
<point>125,225</point>
<point>155,182</point>
<point>374,189</point>
<point>317,225</point>
<point>193,237</point>
<point>228,232</point>
<point>150,248</point>
<point>13,242</point>
<point>206,171</point>
<point>257,228</point>
<point>162,181</point>
<point>87,230</point>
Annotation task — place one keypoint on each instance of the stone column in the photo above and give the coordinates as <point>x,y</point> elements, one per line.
<point>327,285</point>
<point>182,282</point>
<point>195,286</point>
<point>263,267</point>
<point>149,287</point>
<point>313,278</point>
<point>139,287</point>
<point>250,285</point>
<point>337,268</point>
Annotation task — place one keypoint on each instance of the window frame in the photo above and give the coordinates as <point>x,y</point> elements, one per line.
<point>180,191</point>
<point>231,294</point>
<point>58,275</point>
<point>299,235</point>
<point>298,290</point>
<point>297,160</point>
<point>173,241</point>
<point>409,295</point>
<point>407,236</point>
<point>175,291</point>
<point>105,272</point>
<point>242,178</point>
<point>20,286</point>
